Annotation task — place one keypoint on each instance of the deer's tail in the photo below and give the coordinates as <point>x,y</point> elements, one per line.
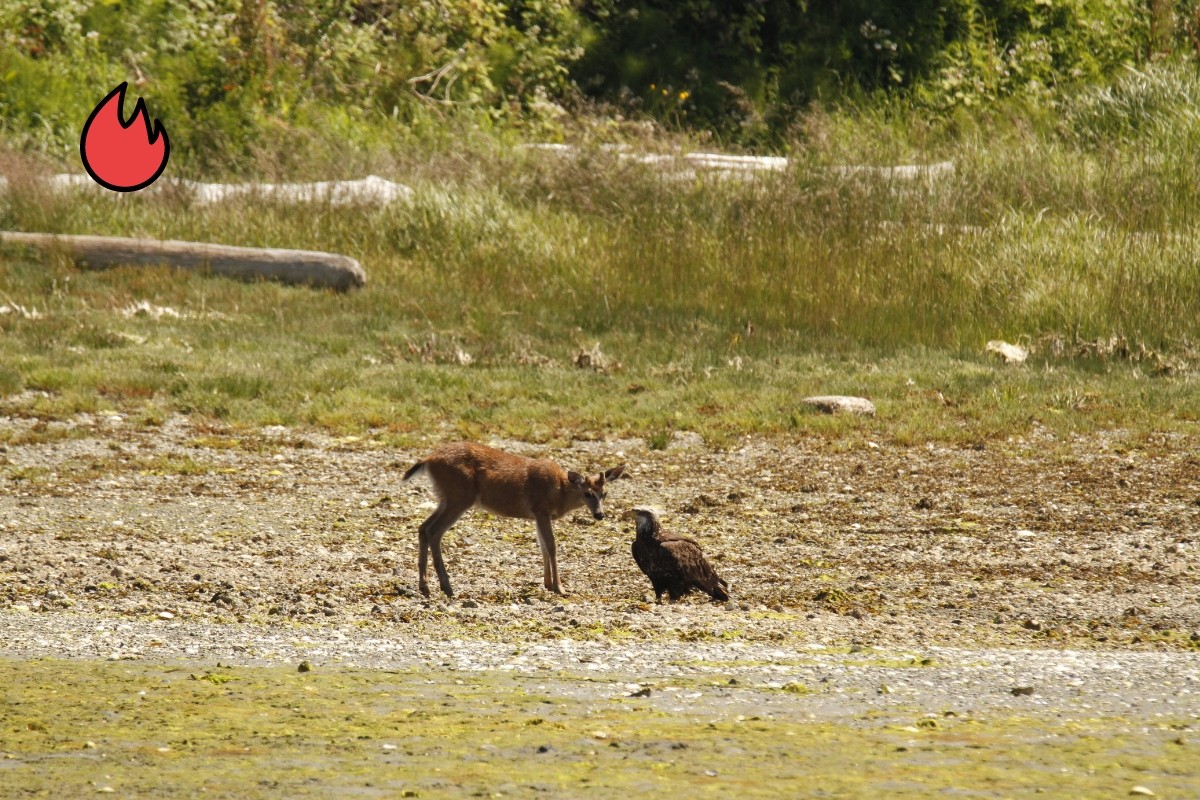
<point>413,470</point>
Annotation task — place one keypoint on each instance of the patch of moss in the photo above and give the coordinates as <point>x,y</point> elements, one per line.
<point>72,728</point>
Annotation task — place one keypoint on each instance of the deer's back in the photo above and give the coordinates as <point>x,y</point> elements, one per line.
<point>503,483</point>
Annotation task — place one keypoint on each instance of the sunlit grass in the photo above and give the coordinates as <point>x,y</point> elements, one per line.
<point>717,302</point>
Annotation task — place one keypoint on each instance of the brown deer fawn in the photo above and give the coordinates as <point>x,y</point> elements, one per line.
<point>465,474</point>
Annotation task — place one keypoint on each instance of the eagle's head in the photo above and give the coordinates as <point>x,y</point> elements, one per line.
<point>647,520</point>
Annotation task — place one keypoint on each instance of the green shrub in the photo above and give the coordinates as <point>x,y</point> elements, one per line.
<point>747,69</point>
<point>234,81</point>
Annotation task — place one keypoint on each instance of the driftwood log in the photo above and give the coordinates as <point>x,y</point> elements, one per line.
<point>308,267</point>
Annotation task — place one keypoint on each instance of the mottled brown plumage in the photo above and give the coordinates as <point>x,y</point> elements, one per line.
<point>673,563</point>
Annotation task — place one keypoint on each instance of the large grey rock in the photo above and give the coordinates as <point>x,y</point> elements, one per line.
<point>834,404</point>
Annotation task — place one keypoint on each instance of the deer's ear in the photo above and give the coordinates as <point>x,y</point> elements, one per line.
<point>614,473</point>
<point>574,477</point>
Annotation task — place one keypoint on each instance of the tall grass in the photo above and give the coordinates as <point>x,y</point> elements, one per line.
<point>720,298</point>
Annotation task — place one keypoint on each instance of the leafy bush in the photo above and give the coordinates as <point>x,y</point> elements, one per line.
<point>748,67</point>
<point>233,76</point>
<point>277,83</point>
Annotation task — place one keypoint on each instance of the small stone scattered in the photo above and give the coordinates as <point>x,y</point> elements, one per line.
<point>1019,691</point>
<point>304,666</point>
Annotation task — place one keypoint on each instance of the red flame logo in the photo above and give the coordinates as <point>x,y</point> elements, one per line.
<point>117,154</point>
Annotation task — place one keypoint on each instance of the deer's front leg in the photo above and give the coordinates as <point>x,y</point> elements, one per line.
<point>545,535</point>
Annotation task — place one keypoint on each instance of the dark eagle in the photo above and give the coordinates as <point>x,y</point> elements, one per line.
<point>673,563</point>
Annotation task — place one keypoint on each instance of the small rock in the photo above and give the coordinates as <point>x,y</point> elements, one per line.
<point>594,359</point>
<point>832,404</point>
<point>924,504</point>
<point>89,745</point>
<point>1032,624</point>
<point>1019,691</point>
<point>470,604</point>
<point>1142,791</point>
<point>305,666</point>
<point>545,748</point>
<point>386,746</point>
<point>643,692</point>
<point>712,773</point>
<point>165,615</point>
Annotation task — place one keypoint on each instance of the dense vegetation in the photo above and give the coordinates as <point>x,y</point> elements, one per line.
<point>244,79</point>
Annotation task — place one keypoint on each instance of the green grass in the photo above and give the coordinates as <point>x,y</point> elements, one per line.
<point>853,284</point>
<point>175,731</point>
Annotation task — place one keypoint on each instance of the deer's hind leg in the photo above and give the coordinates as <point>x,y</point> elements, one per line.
<point>429,537</point>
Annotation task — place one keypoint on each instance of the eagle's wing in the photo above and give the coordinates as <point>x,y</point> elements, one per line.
<point>695,567</point>
<point>642,557</point>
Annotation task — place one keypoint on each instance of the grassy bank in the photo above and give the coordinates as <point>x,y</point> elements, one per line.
<point>715,302</point>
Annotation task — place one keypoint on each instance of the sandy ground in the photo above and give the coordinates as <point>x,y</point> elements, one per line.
<point>1087,544</point>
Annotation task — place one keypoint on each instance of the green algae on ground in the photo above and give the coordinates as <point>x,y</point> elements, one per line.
<point>72,728</point>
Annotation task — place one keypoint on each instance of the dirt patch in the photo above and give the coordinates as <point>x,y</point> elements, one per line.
<point>1087,543</point>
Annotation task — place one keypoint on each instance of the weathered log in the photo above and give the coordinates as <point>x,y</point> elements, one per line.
<point>308,267</point>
